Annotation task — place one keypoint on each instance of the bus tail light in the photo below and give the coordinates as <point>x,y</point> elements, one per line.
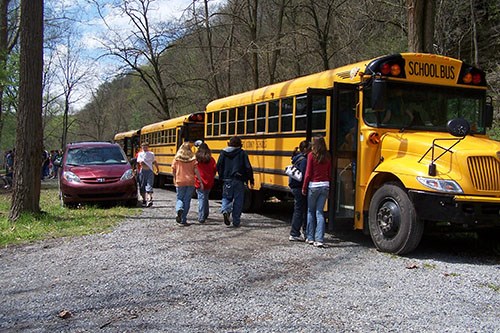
<point>196,117</point>
<point>392,66</point>
<point>471,76</point>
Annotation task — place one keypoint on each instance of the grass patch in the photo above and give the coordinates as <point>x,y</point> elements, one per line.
<point>494,287</point>
<point>56,221</point>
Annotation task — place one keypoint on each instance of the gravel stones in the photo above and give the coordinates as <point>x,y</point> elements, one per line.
<point>150,275</point>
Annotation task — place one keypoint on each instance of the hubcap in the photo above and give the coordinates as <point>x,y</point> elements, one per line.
<point>389,218</point>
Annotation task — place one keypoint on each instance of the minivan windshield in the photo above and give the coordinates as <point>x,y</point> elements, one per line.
<point>95,156</point>
<point>428,108</point>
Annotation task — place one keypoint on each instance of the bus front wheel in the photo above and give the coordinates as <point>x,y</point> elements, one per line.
<point>394,226</point>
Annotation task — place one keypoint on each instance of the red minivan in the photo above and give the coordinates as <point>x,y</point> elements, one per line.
<point>96,172</point>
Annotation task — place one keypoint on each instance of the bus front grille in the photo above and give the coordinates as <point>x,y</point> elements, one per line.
<point>484,172</point>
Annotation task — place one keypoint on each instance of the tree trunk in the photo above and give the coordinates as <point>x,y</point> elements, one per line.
<point>27,169</point>
<point>253,22</point>
<point>277,44</point>
<point>421,15</point>
<point>213,73</point>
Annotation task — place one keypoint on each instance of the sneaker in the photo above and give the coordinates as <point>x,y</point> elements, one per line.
<point>185,224</point>
<point>178,218</point>
<point>296,239</point>
<point>308,241</point>
<point>226,218</point>
<point>144,202</point>
<point>318,244</point>
<point>201,221</point>
<point>150,203</point>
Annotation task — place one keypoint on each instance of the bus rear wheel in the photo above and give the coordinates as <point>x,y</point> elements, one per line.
<point>394,226</point>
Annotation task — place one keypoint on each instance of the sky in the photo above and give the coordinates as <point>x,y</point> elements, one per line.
<point>92,27</point>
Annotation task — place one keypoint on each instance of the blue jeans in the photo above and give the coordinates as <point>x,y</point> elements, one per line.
<point>146,180</point>
<point>233,194</point>
<point>202,204</point>
<point>184,195</point>
<point>316,198</point>
<point>299,211</point>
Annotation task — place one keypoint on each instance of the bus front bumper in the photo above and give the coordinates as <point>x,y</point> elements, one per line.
<point>468,212</point>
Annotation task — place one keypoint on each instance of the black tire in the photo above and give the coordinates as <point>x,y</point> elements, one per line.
<point>393,222</point>
<point>257,201</point>
<point>247,201</point>
<point>491,239</point>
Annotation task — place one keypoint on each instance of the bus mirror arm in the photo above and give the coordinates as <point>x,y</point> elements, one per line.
<point>379,92</point>
<point>488,115</point>
<point>432,166</point>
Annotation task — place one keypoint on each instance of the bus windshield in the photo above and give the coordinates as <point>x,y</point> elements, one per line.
<point>426,107</point>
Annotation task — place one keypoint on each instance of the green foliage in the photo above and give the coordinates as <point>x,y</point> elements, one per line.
<point>56,221</point>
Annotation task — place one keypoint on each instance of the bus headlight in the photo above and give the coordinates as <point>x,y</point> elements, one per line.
<point>441,185</point>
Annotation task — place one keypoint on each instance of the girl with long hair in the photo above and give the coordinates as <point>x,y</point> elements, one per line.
<point>184,170</point>
<point>207,170</point>
<point>316,186</point>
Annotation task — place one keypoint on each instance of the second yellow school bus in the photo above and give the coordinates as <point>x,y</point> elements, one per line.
<point>407,133</point>
<point>166,136</point>
<point>129,141</point>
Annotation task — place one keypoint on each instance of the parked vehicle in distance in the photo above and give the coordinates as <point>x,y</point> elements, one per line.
<point>96,172</point>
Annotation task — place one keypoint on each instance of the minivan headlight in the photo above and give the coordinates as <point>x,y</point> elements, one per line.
<point>441,185</point>
<point>127,175</point>
<point>71,177</point>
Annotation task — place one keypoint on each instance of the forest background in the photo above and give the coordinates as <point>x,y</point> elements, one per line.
<point>176,66</point>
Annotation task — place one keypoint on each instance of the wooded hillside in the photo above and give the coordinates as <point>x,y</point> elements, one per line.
<point>174,68</point>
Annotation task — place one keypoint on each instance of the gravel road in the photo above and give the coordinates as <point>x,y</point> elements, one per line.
<point>151,275</point>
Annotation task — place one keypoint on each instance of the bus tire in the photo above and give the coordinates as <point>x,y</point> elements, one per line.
<point>247,201</point>
<point>491,239</point>
<point>393,222</point>
<point>257,201</point>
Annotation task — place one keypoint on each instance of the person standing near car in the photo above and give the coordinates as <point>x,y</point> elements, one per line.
<point>184,170</point>
<point>207,169</point>
<point>316,187</point>
<point>147,161</point>
<point>235,170</point>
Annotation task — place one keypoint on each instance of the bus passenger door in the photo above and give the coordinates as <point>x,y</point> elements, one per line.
<point>343,144</point>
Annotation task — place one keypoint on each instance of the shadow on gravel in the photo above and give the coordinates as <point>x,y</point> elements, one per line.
<point>455,248</point>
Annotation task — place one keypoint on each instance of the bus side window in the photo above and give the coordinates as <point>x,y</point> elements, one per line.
<point>209,124</point>
<point>301,113</point>
<point>261,117</point>
<point>240,127</point>
<point>216,123</point>
<point>273,118</point>
<point>250,119</point>
<point>232,122</point>
<point>286,114</point>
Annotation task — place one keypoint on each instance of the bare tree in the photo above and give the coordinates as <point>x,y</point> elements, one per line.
<point>72,73</point>
<point>27,171</point>
<point>141,49</point>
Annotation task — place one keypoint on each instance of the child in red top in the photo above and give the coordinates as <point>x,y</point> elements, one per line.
<point>207,169</point>
<point>316,187</point>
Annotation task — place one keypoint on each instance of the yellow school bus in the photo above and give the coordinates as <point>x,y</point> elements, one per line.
<point>129,141</point>
<point>407,133</point>
<point>165,137</point>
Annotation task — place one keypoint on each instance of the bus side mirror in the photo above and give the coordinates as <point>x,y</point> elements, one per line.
<point>488,115</point>
<point>379,92</point>
<point>458,127</point>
